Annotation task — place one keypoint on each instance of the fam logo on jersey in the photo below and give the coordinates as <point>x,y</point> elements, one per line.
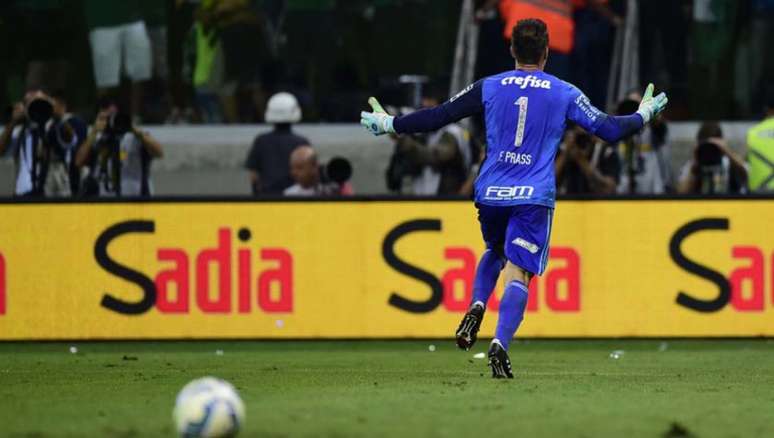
<point>526,81</point>
<point>496,193</point>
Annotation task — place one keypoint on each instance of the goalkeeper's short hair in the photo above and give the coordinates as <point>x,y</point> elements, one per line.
<point>529,40</point>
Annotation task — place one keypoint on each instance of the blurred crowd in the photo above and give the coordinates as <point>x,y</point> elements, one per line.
<point>83,76</point>
<point>218,61</point>
<point>57,155</point>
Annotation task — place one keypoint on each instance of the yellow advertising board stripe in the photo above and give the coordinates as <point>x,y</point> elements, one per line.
<point>375,270</point>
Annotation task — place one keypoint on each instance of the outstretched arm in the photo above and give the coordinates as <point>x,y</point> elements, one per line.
<point>465,104</point>
<point>613,128</point>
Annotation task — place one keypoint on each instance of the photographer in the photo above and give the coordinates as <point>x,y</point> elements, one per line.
<point>68,134</point>
<point>715,168</point>
<point>760,151</point>
<point>41,140</point>
<point>118,155</point>
<point>584,166</point>
<point>434,164</point>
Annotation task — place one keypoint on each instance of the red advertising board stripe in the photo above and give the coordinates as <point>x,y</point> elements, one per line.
<point>2,285</point>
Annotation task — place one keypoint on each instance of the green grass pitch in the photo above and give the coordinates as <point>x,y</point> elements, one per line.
<point>384,388</point>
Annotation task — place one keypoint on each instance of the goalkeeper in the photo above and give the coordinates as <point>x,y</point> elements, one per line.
<point>525,111</point>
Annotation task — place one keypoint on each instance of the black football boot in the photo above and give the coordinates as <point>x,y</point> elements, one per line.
<point>499,362</point>
<point>467,332</point>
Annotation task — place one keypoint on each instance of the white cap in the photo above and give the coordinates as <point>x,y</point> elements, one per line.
<point>283,108</point>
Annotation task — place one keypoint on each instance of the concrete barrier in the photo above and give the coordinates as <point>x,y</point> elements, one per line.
<point>209,159</point>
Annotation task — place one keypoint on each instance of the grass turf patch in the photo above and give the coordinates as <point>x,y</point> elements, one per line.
<point>396,388</point>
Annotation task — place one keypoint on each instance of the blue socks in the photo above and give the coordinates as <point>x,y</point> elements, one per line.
<point>514,300</point>
<point>488,270</point>
<point>511,312</point>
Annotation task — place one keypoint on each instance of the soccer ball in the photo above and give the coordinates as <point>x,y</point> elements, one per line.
<point>208,407</point>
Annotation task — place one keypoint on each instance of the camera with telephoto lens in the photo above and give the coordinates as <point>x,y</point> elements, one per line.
<point>712,177</point>
<point>39,111</point>
<point>118,124</point>
<point>708,154</point>
<point>107,170</point>
<point>338,170</point>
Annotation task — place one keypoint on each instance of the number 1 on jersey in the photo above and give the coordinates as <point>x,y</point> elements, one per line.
<point>522,104</point>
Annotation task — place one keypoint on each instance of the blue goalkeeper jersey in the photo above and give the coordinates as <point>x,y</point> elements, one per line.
<point>525,114</point>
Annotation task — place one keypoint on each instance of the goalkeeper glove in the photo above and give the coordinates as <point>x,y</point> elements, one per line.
<point>377,122</point>
<point>650,106</point>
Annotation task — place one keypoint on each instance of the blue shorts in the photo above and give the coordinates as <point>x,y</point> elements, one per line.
<point>519,232</point>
